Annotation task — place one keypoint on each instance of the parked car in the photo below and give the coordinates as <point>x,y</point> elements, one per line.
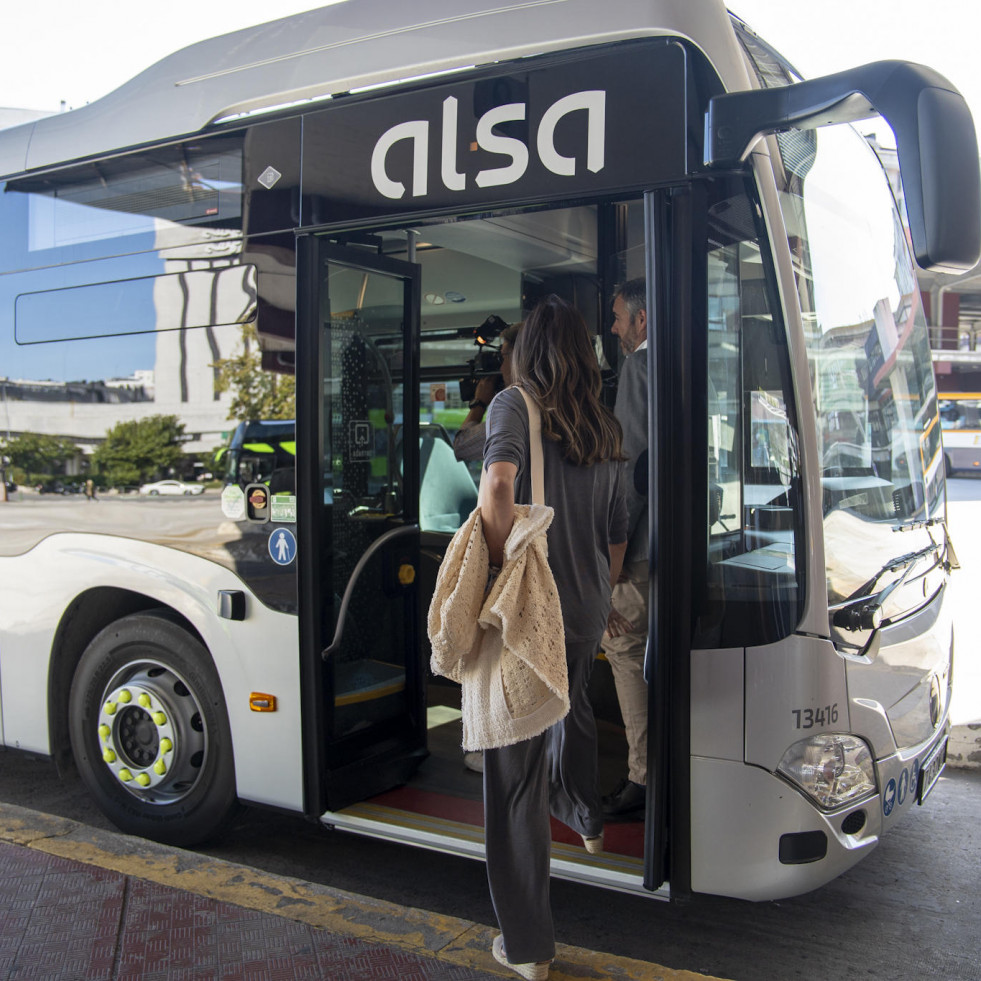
<point>56,487</point>
<point>175,487</point>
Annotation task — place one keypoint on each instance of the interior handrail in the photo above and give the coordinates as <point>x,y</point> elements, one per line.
<point>374,547</point>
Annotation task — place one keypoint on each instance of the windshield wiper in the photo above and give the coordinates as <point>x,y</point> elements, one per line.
<point>914,524</point>
<point>894,565</point>
<point>862,610</point>
<point>950,555</point>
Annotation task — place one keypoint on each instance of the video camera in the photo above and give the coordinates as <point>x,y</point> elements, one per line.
<point>487,361</point>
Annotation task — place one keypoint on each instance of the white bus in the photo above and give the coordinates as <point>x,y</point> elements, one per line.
<point>337,200</point>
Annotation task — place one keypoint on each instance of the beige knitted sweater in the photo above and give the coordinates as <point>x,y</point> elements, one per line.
<point>506,648</point>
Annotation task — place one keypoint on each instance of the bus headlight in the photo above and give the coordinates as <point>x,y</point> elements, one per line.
<point>833,769</point>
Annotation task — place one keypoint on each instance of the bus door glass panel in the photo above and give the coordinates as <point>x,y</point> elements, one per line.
<point>872,378</point>
<point>753,509</point>
<point>368,456</point>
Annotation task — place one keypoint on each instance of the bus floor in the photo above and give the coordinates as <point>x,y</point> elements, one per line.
<point>444,797</point>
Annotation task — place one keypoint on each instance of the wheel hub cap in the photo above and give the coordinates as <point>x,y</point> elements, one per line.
<point>151,734</point>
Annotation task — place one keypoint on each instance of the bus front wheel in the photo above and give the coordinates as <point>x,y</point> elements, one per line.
<point>150,732</point>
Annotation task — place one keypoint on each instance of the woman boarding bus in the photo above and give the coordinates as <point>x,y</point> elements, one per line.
<point>324,202</point>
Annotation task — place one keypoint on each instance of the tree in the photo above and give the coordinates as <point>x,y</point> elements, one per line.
<point>139,450</point>
<point>256,392</point>
<point>38,455</point>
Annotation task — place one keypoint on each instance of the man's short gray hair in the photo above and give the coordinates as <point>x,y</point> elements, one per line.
<point>634,295</point>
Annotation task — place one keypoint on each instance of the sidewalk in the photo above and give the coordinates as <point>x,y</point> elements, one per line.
<point>964,748</point>
<point>63,919</point>
<point>78,904</point>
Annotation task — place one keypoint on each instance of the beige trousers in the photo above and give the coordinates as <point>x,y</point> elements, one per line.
<point>626,657</point>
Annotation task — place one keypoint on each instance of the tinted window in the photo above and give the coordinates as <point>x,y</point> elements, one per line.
<point>134,306</point>
<point>126,203</point>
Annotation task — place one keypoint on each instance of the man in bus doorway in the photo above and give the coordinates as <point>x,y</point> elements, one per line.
<point>626,636</point>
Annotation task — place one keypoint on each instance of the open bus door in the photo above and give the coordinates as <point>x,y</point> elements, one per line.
<point>669,480</point>
<point>357,422</point>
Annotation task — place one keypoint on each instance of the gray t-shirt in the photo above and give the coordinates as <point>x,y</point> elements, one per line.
<point>590,514</point>
<point>468,444</point>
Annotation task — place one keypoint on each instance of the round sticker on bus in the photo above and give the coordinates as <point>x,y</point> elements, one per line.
<point>282,546</point>
<point>903,787</point>
<point>889,797</point>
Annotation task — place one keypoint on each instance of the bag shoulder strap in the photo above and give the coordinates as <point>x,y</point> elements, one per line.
<point>535,447</point>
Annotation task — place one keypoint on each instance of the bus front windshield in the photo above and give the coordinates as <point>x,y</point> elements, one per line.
<point>870,366</point>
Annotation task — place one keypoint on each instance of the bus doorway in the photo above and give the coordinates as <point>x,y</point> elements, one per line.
<point>358,577</point>
<point>477,275</point>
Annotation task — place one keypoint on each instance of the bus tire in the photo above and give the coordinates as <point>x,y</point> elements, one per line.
<point>948,466</point>
<point>150,733</point>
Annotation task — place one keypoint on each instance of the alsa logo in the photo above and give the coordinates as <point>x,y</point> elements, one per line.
<point>593,103</point>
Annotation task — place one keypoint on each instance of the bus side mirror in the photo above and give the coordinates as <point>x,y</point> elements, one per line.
<point>935,139</point>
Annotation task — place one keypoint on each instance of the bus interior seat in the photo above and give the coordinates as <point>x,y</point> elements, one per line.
<point>447,492</point>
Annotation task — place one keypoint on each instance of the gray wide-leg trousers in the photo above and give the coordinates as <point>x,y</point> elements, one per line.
<point>554,773</point>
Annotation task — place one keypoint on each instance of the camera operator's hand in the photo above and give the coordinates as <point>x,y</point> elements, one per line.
<point>486,390</point>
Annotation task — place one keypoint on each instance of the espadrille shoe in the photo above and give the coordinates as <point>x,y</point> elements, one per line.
<point>530,972</point>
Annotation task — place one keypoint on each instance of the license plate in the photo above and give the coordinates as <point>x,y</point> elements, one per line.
<point>930,771</point>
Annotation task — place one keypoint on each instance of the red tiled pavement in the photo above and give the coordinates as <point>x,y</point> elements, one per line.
<point>60,919</point>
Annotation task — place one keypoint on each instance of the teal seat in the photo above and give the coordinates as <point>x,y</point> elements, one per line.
<point>447,492</point>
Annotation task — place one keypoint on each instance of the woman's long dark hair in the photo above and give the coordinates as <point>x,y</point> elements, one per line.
<point>554,361</point>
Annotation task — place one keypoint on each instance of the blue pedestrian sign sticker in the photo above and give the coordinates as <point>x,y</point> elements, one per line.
<point>282,546</point>
<point>889,797</point>
<point>903,787</point>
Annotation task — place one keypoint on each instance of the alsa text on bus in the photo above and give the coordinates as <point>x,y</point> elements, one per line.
<point>593,102</point>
